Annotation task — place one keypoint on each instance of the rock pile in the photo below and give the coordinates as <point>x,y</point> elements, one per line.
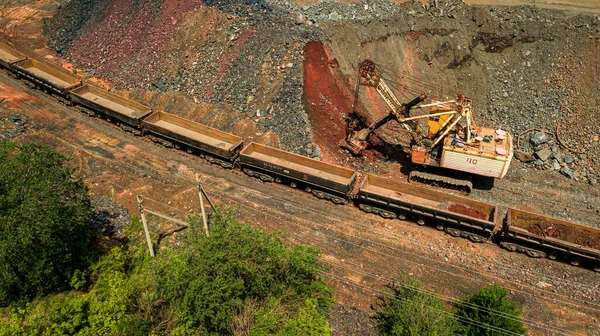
<point>13,126</point>
<point>248,54</point>
<point>109,217</point>
<point>541,150</point>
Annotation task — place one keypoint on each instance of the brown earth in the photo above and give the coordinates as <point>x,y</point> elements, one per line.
<point>588,6</point>
<point>364,251</point>
<point>464,210</point>
<point>327,98</point>
<point>576,235</point>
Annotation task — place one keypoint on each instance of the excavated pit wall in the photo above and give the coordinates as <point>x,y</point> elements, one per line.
<point>511,61</point>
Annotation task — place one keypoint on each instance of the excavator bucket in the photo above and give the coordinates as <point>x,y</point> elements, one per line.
<point>356,142</point>
<point>355,147</point>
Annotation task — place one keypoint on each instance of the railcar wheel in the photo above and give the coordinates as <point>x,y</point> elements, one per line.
<point>266,178</point>
<point>278,179</point>
<point>402,216</point>
<point>596,268</point>
<point>552,255</point>
<point>509,246</point>
<point>440,226</point>
<point>575,261</point>
<point>387,214</point>
<point>477,238</point>
<point>308,189</point>
<point>338,200</point>
<point>453,232</point>
<point>421,221</point>
<point>535,253</point>
<point>318,193</point>
<point>365,208</point>
<point>293,184</point>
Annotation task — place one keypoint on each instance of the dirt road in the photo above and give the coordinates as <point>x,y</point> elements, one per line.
<point>364,251</point>
<point>586,6</point>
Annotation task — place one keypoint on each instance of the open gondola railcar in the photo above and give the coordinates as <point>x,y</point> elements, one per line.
<point>540,236</point>
<point>172,131</point>
<point>319,178</point>
<point>127,113</point>
<point>458,216</point>
<point>9,56</point>
<point>47,77</point>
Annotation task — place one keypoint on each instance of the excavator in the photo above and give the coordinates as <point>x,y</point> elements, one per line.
<point>445,137</point>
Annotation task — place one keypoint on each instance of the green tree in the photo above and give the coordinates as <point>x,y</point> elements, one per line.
<point>405,310</point>
<point>212,278</point>
<point>493,312</point>
<point>44,216</point>
<point>239,279</point>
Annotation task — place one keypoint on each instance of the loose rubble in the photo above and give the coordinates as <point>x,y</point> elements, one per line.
<point>109,218</point>
<point>12,126</point>
<point>248,54</point>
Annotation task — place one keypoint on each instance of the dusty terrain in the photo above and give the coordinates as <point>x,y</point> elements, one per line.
<point>363,250</point>
<point>283,74</point>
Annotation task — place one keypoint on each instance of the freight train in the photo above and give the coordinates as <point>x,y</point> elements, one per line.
<point>536,235</point>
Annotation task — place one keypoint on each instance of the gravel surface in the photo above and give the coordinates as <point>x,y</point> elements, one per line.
<point>109,217</point>
<point>12,126</point>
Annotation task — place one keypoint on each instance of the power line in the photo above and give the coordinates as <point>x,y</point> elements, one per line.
<point>376,243</point>
<point>190,179</point>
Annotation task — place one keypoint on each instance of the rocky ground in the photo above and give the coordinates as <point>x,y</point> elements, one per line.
<point>516,63</point>
<point>110,218</point>
<point>248,67</point>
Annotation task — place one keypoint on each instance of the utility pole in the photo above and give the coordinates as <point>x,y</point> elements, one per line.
<point>139,200</point>
<point>200,192</point>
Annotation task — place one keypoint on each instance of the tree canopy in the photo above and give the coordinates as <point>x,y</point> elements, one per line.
<point>489,312</point>
<point>44,217</point>
<point>240,281</point>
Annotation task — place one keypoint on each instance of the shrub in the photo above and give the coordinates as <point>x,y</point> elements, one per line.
<point>491,309</point>
<point>213,277</point>
<point>405,310</point>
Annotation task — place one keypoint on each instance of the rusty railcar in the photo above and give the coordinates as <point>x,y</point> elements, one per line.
<point>126,113</point>
<point>539,236</point>
<point>47,77</point>
<point>9,56</point>
<point>319,178</point>
<point>172,131</point>
<point>457,216</point>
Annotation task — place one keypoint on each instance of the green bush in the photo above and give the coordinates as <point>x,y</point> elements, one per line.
<point>310,322</point>
<point>238,279</point>
<point>494,313</point>
<point>212,277</point>
<point>44,216</point>
<point>405,310</point>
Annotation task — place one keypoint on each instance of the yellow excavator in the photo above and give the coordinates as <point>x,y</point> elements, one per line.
<point>446,136</point>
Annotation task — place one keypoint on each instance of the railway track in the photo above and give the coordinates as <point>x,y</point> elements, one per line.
<point>249,189</point>
<point>332,237</point>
